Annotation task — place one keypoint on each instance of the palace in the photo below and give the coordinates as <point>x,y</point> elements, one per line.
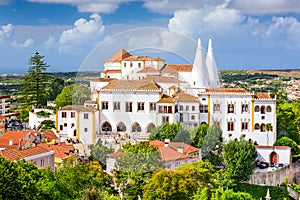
<point>134,94</point>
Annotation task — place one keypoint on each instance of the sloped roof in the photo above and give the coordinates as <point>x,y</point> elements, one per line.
<point>16,154</point>
<point>136,85</point>
<point>139,58</point>
<point>186,147</point>
<point>119,56</point>
<point>262,95</point>
<point>112,71</point>
<point>115,154</point>
<point>228,90</point>
<point>164,79</point>
<point>180,67</point>
<point>50,135</point>
<point>156,143</point>
<point>167,99</point>
<point>80,108</point>
<point>61,149</point>
<point>97,79</point>
<point>15,136</point>
<point>148,70</point>
<point>183,97</point>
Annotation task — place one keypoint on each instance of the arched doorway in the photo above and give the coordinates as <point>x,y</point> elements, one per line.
<point>121,127</point>
<point>136,127</point>
<point>150,127</point>
<point>106,127</point>
<point>273,158</point>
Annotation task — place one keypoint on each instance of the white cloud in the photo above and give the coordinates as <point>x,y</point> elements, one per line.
<point>6,33</point>
<point>83,34</point>
<point>27,43</point>
<point>266,6</point>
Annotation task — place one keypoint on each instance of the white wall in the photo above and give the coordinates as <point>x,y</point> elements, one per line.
<point>284,154</point>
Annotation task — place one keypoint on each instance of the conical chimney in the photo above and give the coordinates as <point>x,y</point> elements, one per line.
<point>212,67</point>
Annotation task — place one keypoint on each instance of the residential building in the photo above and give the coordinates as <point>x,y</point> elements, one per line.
<point>4,104</point>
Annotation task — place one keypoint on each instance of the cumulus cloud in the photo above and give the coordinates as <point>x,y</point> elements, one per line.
<point>259,7</point>
<point>27,43</point>
<point>84,33</point>
<point>6,33</point>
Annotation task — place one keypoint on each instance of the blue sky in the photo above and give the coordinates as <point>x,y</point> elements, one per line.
<point>79,34</point>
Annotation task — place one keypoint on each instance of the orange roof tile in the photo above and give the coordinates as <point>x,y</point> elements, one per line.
<point>112,71</point>
<point>16,154</point>
<point>164,79</point>
<point>167,99</point>
<point>3,117</point>
<point>139,58</point>
<point>103,79</point>
<point>156,143</point>
<point>183,97</point>
<point>269,147</point>
<point>262,95</point>
<point>50,135</point>
<point>15,136</point>
<point>229,90</point>
<point>168,154</point>
<point>180,67</point>
<point>80,108</point>
<point>61,149</point>
<point>148,70</point>
<point>115,154</point>
<point>136,85</point>
<point>119,56</point>
<point>187,148</point>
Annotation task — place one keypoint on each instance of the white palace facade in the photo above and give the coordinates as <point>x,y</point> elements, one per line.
<point>134,94</point>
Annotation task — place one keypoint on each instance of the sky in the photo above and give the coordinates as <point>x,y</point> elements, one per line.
<point>78,35</point>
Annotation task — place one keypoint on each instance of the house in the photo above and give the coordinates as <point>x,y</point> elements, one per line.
<point>274,154</point>
<point>4,104</point>
<point>38,116</point>
<point>172,154</point>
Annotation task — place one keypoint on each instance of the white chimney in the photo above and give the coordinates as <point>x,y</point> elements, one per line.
<point>10,142</point>
<point>167,141</point>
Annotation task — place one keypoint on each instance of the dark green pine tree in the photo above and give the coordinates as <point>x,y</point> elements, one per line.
<point>36,83</point>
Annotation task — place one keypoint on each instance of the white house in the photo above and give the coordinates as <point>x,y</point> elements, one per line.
<point>274,154</point>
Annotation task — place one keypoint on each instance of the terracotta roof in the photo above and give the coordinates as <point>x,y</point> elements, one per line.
<point>115,154</point>
<point>159,59</point>
<point>4,117</point>
<point>50,135</point>
<point>180,67</point>
<point>103,79</point>
<point>139,58</point>
<point>168,154</point>
<point>5,97</point>
<point>169,70</point>
<point>156,143</point>
<point>164,79</point>
<point>148,70</point>
<point>229,90</point>
<point>16,154</point>
<point>135,85</point>
<point>262,95</point>
<point>270,147</point>
<point>80,108</point>
<point>15,136</point>
<point>167,99</point>
<point>187,148</point>
<point>119,56</point>
<point>183,97</point>
<point>115,71</point>
<point>61,149</point>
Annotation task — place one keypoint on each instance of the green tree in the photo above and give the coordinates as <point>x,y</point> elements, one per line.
<point>285,141</point>
<point>99,152</point>
<point>35,83</point>
<point>165,131</point>
<point>73,95</point>
<point>135,166</point>
<point>231,195</point>
<point>239,157</point>
<point>47,125</point>
<point>56,87</point>
<point>202,194</point>
<point>201,132</point>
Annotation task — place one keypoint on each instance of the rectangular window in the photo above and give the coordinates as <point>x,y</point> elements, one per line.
<point>85,130</point>
<point>64,114</point>
<point>230,108</point>
<point>141,106</point>
<point>165,109</point>
<point>230,126</point>
<point>181,117</point>
<point>244,126</point>
<point>152,106</point>
<point>203,108</point>
<point>187,108</point>
<point>65,124</point>
<point>216,107</point>
<point>245,108</point>
<point>181,108</point>
<point>124,64</point>
<point>117,106</point>
<point>165,119</point>
<point>61,127</point>
<point>42,162</point>
<point>131,64</point>
<point>193,108</point>
<point>192,117</point>
<point>128,106</point>
<point>72,114</point>
<point>139,65</point>
<point>104,105</point>
<point>85,116</point>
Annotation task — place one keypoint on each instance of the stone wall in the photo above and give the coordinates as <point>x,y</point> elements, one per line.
<point>275,178</point>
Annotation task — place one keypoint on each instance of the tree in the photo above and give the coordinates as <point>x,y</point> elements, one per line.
<point>99,152</point>
<point>35,83</point>
<point>135,166</point>
<point>212,140</point>
<point>73,95</point>
<point>201,132</point>
<point>47,125</point>
<point>165,131</point>
<point>55,88</point>
<point>239,157</point>
<point>285,141</point>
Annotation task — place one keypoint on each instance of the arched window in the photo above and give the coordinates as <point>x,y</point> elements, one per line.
<point>269,109</point>
<point>256,126</point>
<point>263,110</point>
<point>203,122</point>
<point>274,158</point>
<point>106,127</point>
<point>136,127</point>
<point>121,127</point>
<point>256,109</point>
<point>230,108</point>
<point>150,127</point>
<point>262,127</point>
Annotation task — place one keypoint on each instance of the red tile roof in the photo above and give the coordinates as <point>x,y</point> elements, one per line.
<point>115,154</point>
<point>136,85</point>
<point>186,148</point>
<point>164,79</point>
<point>50,135</point>
<point>167,99</point>
<point>183,97</point>
<point>139,58</point>
<point>148,70</point>
<point>156,143</point>
<point>61,149</point>
<point>103,79</point>
<point>116,71</point>
<point>270,147</point>
<point>80,108</point>
<point>262,95</point>
<point>180,67</point>
<point>13,135</point>
<point>16,154</point>
<point>119,56</point>
<point>227,90</point>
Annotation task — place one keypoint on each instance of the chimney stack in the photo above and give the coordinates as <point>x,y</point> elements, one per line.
<point>167,141</point>
<point>10,142</point>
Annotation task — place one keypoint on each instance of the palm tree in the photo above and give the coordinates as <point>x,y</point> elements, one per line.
<point>269,127</point>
